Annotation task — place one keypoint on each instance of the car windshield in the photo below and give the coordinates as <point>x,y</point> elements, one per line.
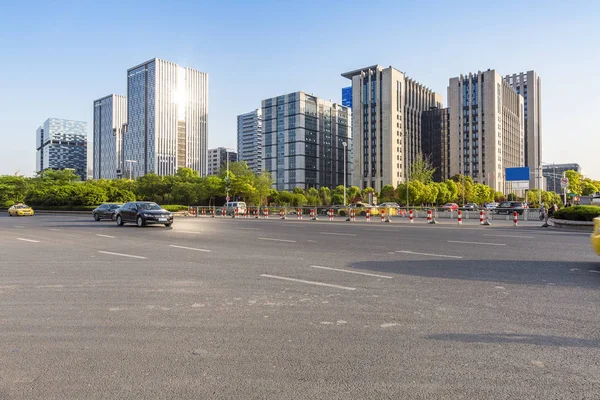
<point>114,206</point>
<point>448,205</point>
<point>149,206</point>
<point>505,204</point>
<point>21,206</point>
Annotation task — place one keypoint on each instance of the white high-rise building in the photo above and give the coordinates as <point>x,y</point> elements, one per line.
<point>386,109</point>
<point>487,128</point>
<point>62,144</point>
<point>218,158</point>
<point>167,109</point>
<point>249,139</point>
<point>529,85</point>
<point>110,119</point>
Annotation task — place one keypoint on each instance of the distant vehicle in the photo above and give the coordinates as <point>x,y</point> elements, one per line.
<point>391,208</point>
<point>143,213</point>
<point>20,210</point>
<point>471,207</point>
<point>491,206</point>
<point>359,209</point>
<point>508,207</point>
<point>390,205</point>
<point>450,207</point>
<point>232,205</point>
<point>106,211</point>
<point>595,238</point>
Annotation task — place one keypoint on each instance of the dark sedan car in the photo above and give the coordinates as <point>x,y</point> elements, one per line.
<point>508,207</point>
<point>105,211</point>
<point>143,213</point>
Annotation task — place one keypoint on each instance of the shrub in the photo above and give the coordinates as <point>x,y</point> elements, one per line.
<point>175,207</point>
<point>578,213</point>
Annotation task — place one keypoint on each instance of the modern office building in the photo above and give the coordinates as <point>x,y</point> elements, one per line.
<point>386,109</point>
<point>552,173</point>
<point>217,159</point>
<point>110,119</point>
<point>250,140</point>
<point>62,144</point>
<point>529,85</point>
<point>306,140</point>
<point>487,128</point>
<point>435,141</point>
<point>167,110</point>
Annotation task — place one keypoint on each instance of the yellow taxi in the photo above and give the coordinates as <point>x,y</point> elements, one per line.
<point>19,210</point>
<point>595,238</point>
<point>359,209</point>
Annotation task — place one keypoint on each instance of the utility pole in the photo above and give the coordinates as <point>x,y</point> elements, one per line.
<point>344,144</point>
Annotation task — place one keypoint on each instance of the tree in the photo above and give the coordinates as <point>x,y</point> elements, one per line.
<point>421,169</point>
<point>388,194</point>
<point>151,187</point>
<point>298,190</point>
<point>365,193</point>
<point>285,197</point>
<point>588,187</point>
<point>262,187</point>
<point>353,194</point>
<point>63,175</point>
<point>574,181</point>
<point>212,187</point>
<point>184,193</point>
<point>443,193</point>
<point>452,191</point>
<point>298,200</point>
<point>325,195</point>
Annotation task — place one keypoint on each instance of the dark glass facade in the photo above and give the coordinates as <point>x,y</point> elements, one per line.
<point>435,141</point>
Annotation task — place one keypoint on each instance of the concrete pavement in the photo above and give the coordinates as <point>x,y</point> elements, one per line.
<point>233,308</point>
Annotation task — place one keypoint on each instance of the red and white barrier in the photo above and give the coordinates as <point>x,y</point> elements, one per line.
<point>282,214</point>
<point>312,213</point>
<point>411,216</point>
<point>368,214</point>
<point>331,214</point>
<point>459,217</point>
<point>266,213</point>
<point>383,215</point>
<point>352,215</point>
<point>223,212</point>
<point>481,218</point>
<point>235,212</point>
<point>516,218</point>
<point>429,216</point>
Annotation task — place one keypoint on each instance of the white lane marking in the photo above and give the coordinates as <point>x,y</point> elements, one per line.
<point>106,236</point>
<point>512,236</point>
<point>54,229</point>
<point>187,231</point>
<point>283,278</point>
<point>337,234</point>
<point>488,244</point>
<point>277,240</point>
<point>19,226</point>
<point>122,255</point>
<point>28,240</point>
<point>249,229</point>
<point>594,271</point>
<point>426,254</point>
<point>189,248</point>
<point>350,272</point>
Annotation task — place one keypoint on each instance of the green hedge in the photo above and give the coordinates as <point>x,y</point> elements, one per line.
<point>174,207</point>
<point>578,213</point>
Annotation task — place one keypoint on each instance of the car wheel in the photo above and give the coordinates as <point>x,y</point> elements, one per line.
<point>140,222</point>
<point>342,213</point>
<point>119,220</point>
<point>96,217</point>
<point>169,224</point>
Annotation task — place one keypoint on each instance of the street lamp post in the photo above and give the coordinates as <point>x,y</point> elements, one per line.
<point>344,144</point>
<point>130,162</point>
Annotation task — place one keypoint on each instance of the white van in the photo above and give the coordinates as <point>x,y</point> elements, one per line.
<point>232,205</point>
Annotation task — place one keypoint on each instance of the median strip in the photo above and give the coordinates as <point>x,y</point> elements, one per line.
<point>121,254</point>
<point>283,278</point>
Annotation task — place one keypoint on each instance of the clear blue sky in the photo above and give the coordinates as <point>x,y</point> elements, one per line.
<point>57,57</point>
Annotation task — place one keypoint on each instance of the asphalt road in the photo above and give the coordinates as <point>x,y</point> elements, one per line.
<point>267,309</point>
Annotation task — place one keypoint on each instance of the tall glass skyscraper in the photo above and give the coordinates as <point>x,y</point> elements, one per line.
<point>167,108</point>
<point>62,144</point>
<point>249,139</point>
<point>110,119</point>
<point>305,138</point>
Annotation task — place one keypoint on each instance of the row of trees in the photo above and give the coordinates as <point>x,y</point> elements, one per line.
<point>62,188</point>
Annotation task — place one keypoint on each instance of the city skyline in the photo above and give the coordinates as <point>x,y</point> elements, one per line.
<point>74,74</point>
